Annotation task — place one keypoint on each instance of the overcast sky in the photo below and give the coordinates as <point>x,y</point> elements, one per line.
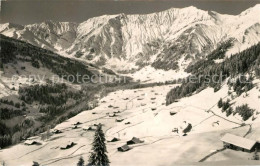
<point>27,12</point>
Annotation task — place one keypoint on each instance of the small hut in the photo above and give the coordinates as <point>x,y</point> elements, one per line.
<point>110,106</point>
<point>112,115</point>
<point>173,113</point>
<point>67,145</point>
<point>134,140</point>
<point>31,142</point>
<point>116,112</point>
<point>123,148</point>
<point>89,128</point>
<point>77,123</point>
<point>127,123</point>
<point>75,127</point>
<point>113,139</point>
<point>56,131</point>
<point>96,124</point>
<point>119,120</point>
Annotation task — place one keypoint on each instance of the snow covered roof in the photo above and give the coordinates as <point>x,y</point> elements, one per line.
<point>134,140</point>
<point>119,119</point>
<point>30,142</point>
<point>173,112</point>
<point>91,127</point>
<point>123,148</point>
<point>67,145</point>
<point>56,131</point>
<point>238,141</point>
<point>112,139</point>
<point>77,123</point>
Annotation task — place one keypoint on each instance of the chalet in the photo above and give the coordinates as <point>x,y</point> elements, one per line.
<point>96,124</point>
<point>153,109</point>
<point>119,120</point>
<point>77,123</point>
<point>123,148</point>
<point>75,127</point>
<point>67,145</point>
<point>89,128</point>
<point>113,139</point>
<point>127,123</point>
<point>112,115</point>
<point>134,140</point>
<point>56,131</point>
<point>116,112</point>
<point>173,113</point>
<point>238,143</point>
<point>31,142</point>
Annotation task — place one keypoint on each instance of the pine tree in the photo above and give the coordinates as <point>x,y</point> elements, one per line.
<point>98,156</point>
<point>35,163</point>
<point>255,156</point>
<point>220,103</point>
<point>81,162</point>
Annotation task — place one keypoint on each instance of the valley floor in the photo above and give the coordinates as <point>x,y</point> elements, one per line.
<point>144,115</point>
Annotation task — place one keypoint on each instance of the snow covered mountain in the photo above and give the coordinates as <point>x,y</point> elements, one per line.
<point>49,35</point>
<point>166,40</point>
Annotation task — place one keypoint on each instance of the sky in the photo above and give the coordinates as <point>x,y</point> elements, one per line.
<point>35,11</point>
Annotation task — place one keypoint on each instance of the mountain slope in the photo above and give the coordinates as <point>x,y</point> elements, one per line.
<point>49,34</point>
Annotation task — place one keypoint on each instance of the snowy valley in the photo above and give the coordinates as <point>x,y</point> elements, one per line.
<point>152,111</point>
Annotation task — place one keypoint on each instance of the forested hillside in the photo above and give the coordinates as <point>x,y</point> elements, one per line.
<point>13,51</point>
<point>208,73</point>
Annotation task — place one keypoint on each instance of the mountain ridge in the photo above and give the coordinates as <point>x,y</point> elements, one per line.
<point>168,40</point>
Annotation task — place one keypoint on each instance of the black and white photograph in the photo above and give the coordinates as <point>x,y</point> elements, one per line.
<point>129,82</point>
